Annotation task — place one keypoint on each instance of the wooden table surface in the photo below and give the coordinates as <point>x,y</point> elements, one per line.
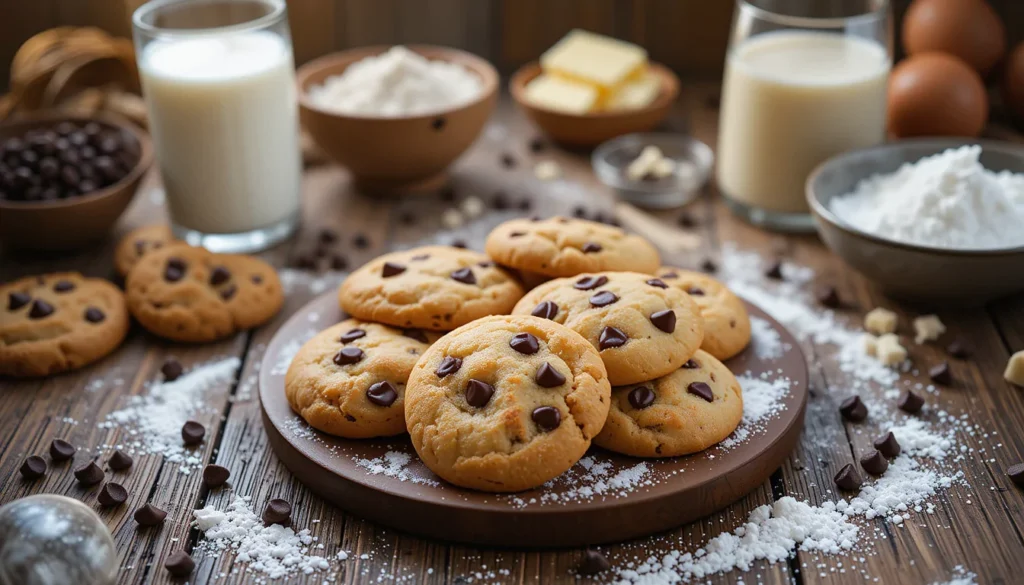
<point>978,526</point>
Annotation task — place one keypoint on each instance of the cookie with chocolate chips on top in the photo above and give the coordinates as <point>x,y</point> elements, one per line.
<point>190,294</point>
<point>58,322</point>
<point>506,403</point>
<point>349,380</point>
<point>560,247</point>
<point>642,328</point>
<point>433,287</point>
<point>687,411</point>
<point>726,322</point>
<point>139,242</point>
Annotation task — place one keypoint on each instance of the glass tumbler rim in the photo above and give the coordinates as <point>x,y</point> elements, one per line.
<point>878,13</point>
<point>277,13</point>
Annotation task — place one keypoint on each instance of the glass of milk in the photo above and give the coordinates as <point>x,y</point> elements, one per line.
<point>219,83</point>
<point>803,81</point>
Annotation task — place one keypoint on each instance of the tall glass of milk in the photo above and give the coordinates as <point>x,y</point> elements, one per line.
<point>803,81</point>
<point>219,84</point>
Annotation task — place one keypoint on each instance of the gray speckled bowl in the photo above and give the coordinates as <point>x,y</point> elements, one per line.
<point>910,271</point>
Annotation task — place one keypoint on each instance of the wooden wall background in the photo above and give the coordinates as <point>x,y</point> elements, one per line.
<point>688,35</point>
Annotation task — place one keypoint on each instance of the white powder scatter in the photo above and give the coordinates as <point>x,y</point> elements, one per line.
<point>590,479</point>
<point>765,340</point>
<point>904,485</point>
<point>762,401</point>
<point>293,280</point>
<point>948,200</point>
<point>287,352</point>
<point>961,576</point>
<point>916,438</point>
<point>393,464</point>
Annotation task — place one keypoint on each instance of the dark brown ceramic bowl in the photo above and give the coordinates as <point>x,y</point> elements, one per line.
<point>592,129</point>
<point>76,221</point>
<point>403,154</point>
<point>909,271</point>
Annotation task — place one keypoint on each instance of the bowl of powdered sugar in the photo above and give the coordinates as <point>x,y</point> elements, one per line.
<point>939,220</point>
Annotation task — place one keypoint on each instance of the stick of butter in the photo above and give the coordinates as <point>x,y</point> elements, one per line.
<point>594,59</point>
<point>561,95</point>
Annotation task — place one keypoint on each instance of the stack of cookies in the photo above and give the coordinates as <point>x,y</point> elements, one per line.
<point>502,389</point>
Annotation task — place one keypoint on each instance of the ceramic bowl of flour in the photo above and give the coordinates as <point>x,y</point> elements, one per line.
<point>938,232</point>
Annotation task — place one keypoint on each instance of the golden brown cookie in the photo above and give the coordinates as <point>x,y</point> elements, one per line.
<point>349,380</point>
<point>138,242</point>
<point>58,322</point>
<point>726,322</point>
<point>190,294</point>
<point>642,327</point>
<point>687,411</point>
<point>434,287</point>
<point>506,403</point>
<point>561,247</point>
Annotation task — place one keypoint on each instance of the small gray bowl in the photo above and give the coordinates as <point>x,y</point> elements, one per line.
<point>909,271</point>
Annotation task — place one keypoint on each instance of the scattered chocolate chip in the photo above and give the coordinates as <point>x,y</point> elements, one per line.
<point>305,262</point>
<point>545,310</point>
<point>416,334</point>
<point>593,562</point>
<point>339,262</point>
<point>447,193</point>
<point>1016,474</point>
<point>829,297</point>
<point>547,417</point>
<point>61,450</point>
<point>227,292</point>
<point>691,364</point>
<point>391,269</point>
<point>549,377</point>
<point>853,409</point>
<point>524,343</point>
<point>641,397</point>
<point>500,201</point>
<point>887,445</point>
<point>120,461</point>
<point>17,300</point>
<point>508,161</point>
<point>910,402</point>
<point>460,244</point>
<point>352,335</point>
<point>940,374</point>
<point>478,393</point>
<point>175,270</point>
<point>464,275</point>
<point>348,356</point>
<point>537,145</point>
<point>695,291</point>
<point>848,479</point>
<point>89,474</point>
<point>34,467</point>
<point>590,282</point>
<point>150,515</point>
<point>579,212</point>
<point>708,265</point>
<point>438,123</point>
<point>171,370</point>
<point>112,494</point>
<point>219,275</point>
<point>874,463</point>
<point>192,433</point>
<point>40,309</point>
<point>958,348</point>
<point>775,270</point>
<point>591,247</point>
<point>94,315</point>
<point>63,286</point>
<point>327,236</point>
<point>382,393</point>
<point>664,320</point>
<point>361,241</point>
<point>657,282</point>
<point>215,475</point>
<point>525,205</point>
<point>603,298</point>
<point>179,564</point>
<point>278,511</point>
<point>611,337</point>
<point>686,220</point>
<point>701,390</point>
<point>449,365</point>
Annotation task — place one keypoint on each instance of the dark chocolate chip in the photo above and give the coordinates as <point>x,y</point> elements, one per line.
<point>641,397</point>
<point>478,393</point>
<point>449,365</point>
<point>215,475</point>
<point>327,236</point>
<point>89,474</point>
<point>701,390</point>
<point>940,374</point>
<point>382,393</point>
<point>361,241</point>
<point>508,161</point>
<point>537,145</point>
<point>192,433</point>
<point>40,309</point>
<point>120,461</point>
<point>664,320</point>
<point>256,279</point>
<point>579,212</point>
<point>464,275</point>
<point>62,286</point>
<point>112,494</point>
<point>348,356</point>
<point>352,335</point>
<point>416,334</point>
<point>17,300</point>
<point>391,269</point>
<point>874,463</point>
<point>547,417</point>
<point>590,282</point>
<point>305,262</point>
<point>34,467</point>
<point>339,262</point>
<point>611,337</point>
<point>447,193</point>
<point>94,315</point>
<point>227,292</point>
<point>500,201</point>
<point>887,445</point>
<point>686,220</point>
<point>848,479</point>
<point>175,269</point>
<point>774,271</point>
<point>460,244</point>
<point>708,265</point>
<point>829,297</point>
<point>1016,474</point>
<point>150,515</point>
<point>695,291</point>
<point>278,511</point>
<point>524,343</point>
<point>61,450</point>
<point>545,310</point>
<point>910,402</point>
<point>593,562</point>
<point>959,349</point>
<point>657,282</point>
<point>179,564</point>
<point>172,370</point>
<point>853,409</point>
<point>549,377</point>
<point>591,247</point>
<point>691,364</point>
<point>603,298</point>
<point>525,205</point>
<point>438,123</point>
<point>219,275</point>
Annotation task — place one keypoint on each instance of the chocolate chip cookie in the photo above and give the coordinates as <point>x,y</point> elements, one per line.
<point>138,242</point>
<point>560,247</point>
<point>58,322</point>
<point>349,380</point>
<point>726,323</point>
<point>506,403</point>
<point>189,294</point>
<point>687,411</point>
<point>642,327</point>
<point>434,287</point>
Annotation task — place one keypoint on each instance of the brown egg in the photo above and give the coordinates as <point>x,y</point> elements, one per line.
<point>1013,83</point>
<point>935,94</point>
<point>968,29</point>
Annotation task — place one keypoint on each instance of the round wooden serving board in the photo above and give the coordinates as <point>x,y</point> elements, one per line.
<point>604,498</point>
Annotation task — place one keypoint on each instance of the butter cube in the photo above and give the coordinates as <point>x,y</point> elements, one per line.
<point>1014,373</point>
<point>635,94</point>
<point>889,351</point>
<point>880,321</point>
<point>561,95</point>
<point>595,59</point>
<point>927,328</point>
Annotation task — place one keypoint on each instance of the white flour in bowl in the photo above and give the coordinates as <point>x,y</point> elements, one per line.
<point>948,200</point>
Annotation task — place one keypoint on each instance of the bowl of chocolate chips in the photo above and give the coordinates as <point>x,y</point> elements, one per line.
<point>65,180</point>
